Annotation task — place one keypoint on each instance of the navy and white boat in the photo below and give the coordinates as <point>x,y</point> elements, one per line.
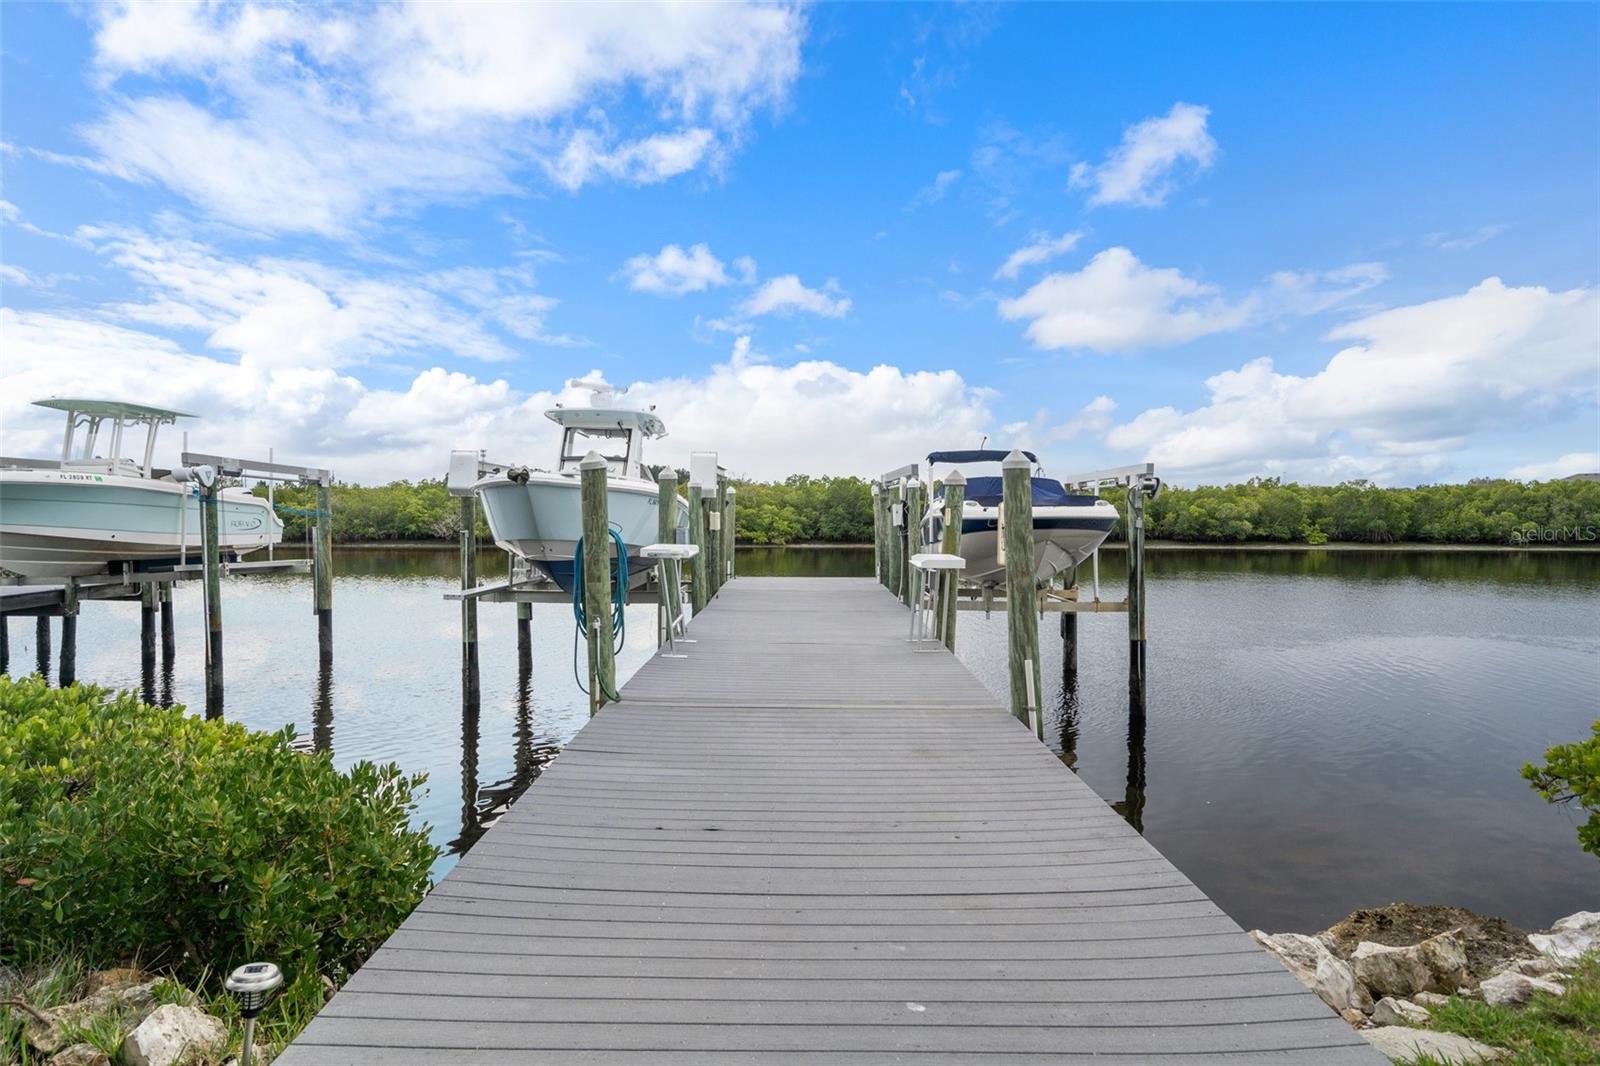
<point>1067,527</point>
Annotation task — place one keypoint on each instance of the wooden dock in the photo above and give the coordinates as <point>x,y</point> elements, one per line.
<point>806,843</point>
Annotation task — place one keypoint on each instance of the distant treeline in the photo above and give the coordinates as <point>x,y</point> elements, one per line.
<point>838,510</point>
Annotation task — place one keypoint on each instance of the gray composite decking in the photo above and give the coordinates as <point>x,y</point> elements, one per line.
<point>806,843</point>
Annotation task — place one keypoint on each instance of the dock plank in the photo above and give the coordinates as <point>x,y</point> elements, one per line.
<point>805,843</point>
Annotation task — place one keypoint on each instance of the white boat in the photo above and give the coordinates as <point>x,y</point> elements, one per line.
<point>1067,527</point>
<point>537,515</point>
<point>95,508</point>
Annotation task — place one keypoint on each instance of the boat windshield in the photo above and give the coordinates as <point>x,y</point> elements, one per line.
<point>613,443</point>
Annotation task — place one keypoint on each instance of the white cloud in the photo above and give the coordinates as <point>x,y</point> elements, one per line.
<point>934,191</point>
<point>1420,382</point>
<point>1116,303</point>
<point>1041,249</point>
<point>784,295</point>
<point>1143,170</point>
<point>1447,243</point>
<point>1308,292</point>
<point>287,312</point>
<point>766,420</point>
<point>1565,466</point>
<point>14,276</point>
<point>674,271</point>
<point>320,119</point>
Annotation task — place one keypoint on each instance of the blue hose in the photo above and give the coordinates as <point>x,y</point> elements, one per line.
<point>619,593</point>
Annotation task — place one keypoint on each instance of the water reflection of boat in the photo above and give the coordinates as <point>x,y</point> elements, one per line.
<point>537,515</point>
<point>1067,527</point>
<point>96,507</point>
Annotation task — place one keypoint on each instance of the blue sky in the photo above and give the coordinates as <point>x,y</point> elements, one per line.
<point>1316,241</point>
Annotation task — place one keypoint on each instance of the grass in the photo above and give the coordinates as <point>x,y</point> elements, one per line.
<point>55,982</point>
<point>1548,1031</point>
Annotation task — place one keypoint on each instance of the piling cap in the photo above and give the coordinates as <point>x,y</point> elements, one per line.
<point>955,477</point>
<point>593,461</point>
<point>1015,461</point>
<point>665,477</point>
<point>733,490</point>
<point>874,487</point>
<point>913,482</point>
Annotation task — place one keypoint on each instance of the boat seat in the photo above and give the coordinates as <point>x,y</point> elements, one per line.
<point>669,551</point>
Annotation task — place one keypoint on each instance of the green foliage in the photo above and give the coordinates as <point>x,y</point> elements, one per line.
<point>398,511</point>
<point>130,831</point>
<point>1479,512</point>
<point>1548,1031</point>
<point>1572,774</point>
<point>806,510</point>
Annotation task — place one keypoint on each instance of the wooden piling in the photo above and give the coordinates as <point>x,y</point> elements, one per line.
<point>596,578</point>
<point>1136,619</point>
<point>322,556</point>
<point>916,504</point>
<point>877,531</point>
<point>897,508</point>
<point>955,496</point>
<point>168,642</point>
<point>469,605</point>
<point>41,645</point>
<point>1022,595</point>
<point>1069,645</point>
<point>69,634</point>
<point>666,533</point>
<point>148,607</point>
<point>713,509</point>
<point>211,551</point>
<point>728,544</point>
<point>697,536</point>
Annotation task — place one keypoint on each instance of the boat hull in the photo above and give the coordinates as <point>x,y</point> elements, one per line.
<point>541,520</point>
<point>58,524</point>
<point>1063,537</point>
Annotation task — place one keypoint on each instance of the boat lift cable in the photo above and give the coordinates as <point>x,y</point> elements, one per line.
<point>580,614</point>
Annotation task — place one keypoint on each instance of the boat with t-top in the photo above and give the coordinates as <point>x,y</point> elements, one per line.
<point>537,515</point>
<point>104,502</point>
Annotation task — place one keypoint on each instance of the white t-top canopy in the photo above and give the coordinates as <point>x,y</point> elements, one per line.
<point>607,418</point>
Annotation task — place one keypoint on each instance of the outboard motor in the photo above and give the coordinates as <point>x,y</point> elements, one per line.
<point>517,475</point>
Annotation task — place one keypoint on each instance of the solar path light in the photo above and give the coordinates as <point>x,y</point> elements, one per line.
<point>252,984</point>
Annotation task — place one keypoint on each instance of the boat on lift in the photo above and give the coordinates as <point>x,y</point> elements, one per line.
<point>537,515</point>
<point>1067,527</point>
<point>95,507</point>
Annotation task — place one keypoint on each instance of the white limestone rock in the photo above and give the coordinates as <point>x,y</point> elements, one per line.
<point>1319,969</point>
<point>1402,1044</point>
<point>1431,1000</point>
<point>1392,1011</point>
<point>1512,989</point>
<point>1437,964</point>
<point>1570,938</point>
<point>173,1035</point>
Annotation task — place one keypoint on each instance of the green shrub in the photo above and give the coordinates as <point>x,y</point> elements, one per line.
<point>130,831</point>
<point>1572,774</point>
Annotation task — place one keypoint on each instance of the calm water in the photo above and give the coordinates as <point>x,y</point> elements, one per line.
<point>1324,731</point>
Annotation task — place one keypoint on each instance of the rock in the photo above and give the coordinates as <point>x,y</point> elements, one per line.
<point>43,1034</point>
<point>1570,938</point>
<point>1437,964</point>
<point>1535,966</point>
<point>1514,989</point>
<point>115,979</point>
<point>1319,969</point>
<point>1430,999</point>
<point>1391,1011</point>
<point>1391,971</point>
<point>1404,1045</point>
<point>80,1055</point>
<point>259,1057</point>
<point>1354,1018</point>
<point>174,1035</point>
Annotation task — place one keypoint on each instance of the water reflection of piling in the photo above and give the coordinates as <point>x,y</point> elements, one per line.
<point>1070,710</point>
<point>41,640</point>
<point>322,708</point>
<point>5,646</point>
<point>1132,806</point>
<point>471,823</point>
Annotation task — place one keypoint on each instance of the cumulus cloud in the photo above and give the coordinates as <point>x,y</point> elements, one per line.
<point>1414,386</point>
<point>765,419</point>
<point>1446,243</point>
<point>319,119</point>
<point>785,295</point>
<point>1116,303</point>
<point>1041,249</point>
<point>1564,466</point>
<point>1146,167</point>
<point>674,271</point>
